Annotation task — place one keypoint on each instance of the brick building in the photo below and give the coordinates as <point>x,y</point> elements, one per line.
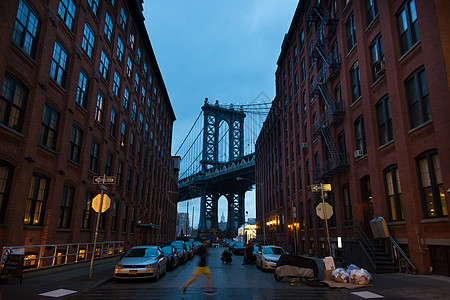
<point>82,96</point>
<point>362,91</point>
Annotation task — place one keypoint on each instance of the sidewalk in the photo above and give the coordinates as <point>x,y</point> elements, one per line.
<point>76,280</point>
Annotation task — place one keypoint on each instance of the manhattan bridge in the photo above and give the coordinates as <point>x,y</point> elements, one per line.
<point>218,160</point>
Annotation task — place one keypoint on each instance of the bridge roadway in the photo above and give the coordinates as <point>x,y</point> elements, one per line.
<point>231,282</point>
<point>221,179</point>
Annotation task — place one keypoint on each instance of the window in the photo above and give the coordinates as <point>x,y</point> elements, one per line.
<point>26,29</point>
<point>310,214</point>
<point>6,173</point>
<point>296,83</point>
<point>99,109</point>
<point>308,177</point>
<point>93,4</point>
<point>131,144</point>
<point>128,183</point>
<point>305,133</point>
<point>136,82</point>
<point>138,56</point>
<point>116,86</point>
<point>123,134</point>
<point>37,198</point>
<point>303,73</point>
<point>119,49</point>
<point>123,19</point>
<point>136,185</point>
<point>114,216</point>
<point>65,212</point>
<point>13,102</point>
<point>129,66</point>
<point>304,102</point>
<point>87,210</point>
<point>351,32</point>
<point>348,217</point>
<point>133,219</point>
<point>119,173</point>
<point>377,58</point>
<point>112,124</point>
<point>76,140</point>
<point>93,159</point>
<point>146,132</point>
<point>132,40</point>
<point>145,70</point>
<point>355,82</point>
<point>126,96</point>
<point>143,94</point>
<point>295,54</point>
<point>134,111</point>
<point>141,121</point>
<point>418,98</point>
<point>82,90</point>
<point>385,132</point>
<point>431,185</point>
<point>88,40</point>
<point>342,147</point>
<point>58,70</point>
<point>50,127</point>
<point>66,11</point>
<point>108,164</point>
<point>104,65</point>
<point>393,193</point>
<point>360,135</point>
<point>124,219</point>
<point>338,96</point>
<point>372,10</point>
<point>407,26</point>
<point>302,38</point>
<point>108,27</point>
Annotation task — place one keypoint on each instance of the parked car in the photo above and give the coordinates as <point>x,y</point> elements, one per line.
<point>239,248</point>
<point>181,250</point>
<point>171,254</point>
<point>231,246</point>
<point>268,256</point>
<point>194,249</point>
<point>190,251</point>
<point>141,262</point>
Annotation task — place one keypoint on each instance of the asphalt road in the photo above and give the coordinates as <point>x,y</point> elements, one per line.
<point>231,282</point>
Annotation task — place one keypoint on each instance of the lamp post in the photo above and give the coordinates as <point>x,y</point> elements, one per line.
<point>263,204</point>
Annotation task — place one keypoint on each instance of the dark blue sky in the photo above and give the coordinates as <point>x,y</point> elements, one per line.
<point>221,50</point>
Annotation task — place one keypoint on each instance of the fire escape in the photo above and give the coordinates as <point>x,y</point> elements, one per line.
<point>328,64</point>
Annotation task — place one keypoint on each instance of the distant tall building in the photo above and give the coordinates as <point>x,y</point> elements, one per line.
<point>222,218</point>
<point>82,96</point>
<point>362,103</point>
<point>183,224</point>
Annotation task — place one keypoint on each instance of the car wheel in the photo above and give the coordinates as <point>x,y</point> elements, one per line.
<point>157,275</point>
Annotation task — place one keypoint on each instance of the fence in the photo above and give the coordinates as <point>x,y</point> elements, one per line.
<point>43,256</point>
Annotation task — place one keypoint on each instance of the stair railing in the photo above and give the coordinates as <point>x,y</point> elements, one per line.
<point>400,256</point>
<point>367,246</point>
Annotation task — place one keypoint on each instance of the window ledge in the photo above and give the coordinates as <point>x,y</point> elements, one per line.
<point>393,223</point>
<point>351,50</point>
<point>11,130</point>
<point>356,101</point>
<point>420,126</point>
<point>373,22</point>
<point>33,227</point>
<point>63,229</point>
<point>434,220</point>
<point>413,47</point>
<point>378,80</point>
<point>386,144</point>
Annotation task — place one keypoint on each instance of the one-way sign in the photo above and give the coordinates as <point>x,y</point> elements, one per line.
<point>108,179</point>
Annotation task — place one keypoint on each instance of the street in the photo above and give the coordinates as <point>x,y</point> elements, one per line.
<point>231,282</point>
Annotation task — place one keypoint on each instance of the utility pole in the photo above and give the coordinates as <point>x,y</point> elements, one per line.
<point>187,219</point>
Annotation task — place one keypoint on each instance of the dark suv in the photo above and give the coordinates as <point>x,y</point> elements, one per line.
<point>182,251</point>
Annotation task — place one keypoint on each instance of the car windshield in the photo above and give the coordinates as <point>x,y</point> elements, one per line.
<point>142,252</point>
<point>240,245</point>
<point>178,245</point>
<point>167,250</point>
<point>273,250</point>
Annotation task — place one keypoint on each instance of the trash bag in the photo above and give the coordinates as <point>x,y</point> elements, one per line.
<point>340,275</point>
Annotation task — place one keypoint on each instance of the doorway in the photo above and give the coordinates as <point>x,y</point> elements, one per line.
<point>367,203</point>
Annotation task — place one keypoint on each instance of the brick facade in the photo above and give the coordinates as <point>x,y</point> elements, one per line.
<point>148,195</point>
<point>403,145</point>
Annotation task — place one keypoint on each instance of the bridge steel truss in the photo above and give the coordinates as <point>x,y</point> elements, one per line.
<point>214,115</point>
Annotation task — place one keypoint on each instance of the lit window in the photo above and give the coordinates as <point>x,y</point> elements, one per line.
<point>99,109</point>
<point>37,198</point>
<point>13,101</point>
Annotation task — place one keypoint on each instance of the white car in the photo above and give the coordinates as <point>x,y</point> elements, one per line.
<point>141,262</point>
<point>268,256</point>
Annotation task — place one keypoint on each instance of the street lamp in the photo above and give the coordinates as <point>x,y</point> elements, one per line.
<point>264,209</point>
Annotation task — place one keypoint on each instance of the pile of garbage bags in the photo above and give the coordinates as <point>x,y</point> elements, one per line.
<point>353,274</point>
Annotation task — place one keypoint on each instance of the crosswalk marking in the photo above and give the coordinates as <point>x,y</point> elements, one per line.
<point>367,295</point>
<point>57,293</point>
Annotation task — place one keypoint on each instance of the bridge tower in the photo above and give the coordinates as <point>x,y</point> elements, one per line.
<point>214,115</point>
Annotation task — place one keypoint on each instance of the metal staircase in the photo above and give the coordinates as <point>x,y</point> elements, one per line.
<point>333,111</point>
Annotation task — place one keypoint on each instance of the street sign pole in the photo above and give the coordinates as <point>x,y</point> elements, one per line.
<point>326,220</point>
<point>96,231</point>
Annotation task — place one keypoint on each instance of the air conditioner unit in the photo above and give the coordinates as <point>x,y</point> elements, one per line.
<point>358,153</point>
<point>380,68</point>
<point>304,145</point>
